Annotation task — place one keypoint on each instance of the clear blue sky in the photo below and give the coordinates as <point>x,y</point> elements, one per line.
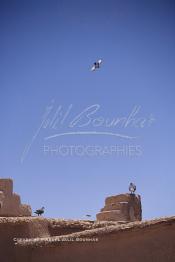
<point>47,49</point>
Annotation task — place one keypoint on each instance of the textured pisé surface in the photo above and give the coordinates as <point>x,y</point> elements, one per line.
<point>123,207</point>
<point>10,203</point>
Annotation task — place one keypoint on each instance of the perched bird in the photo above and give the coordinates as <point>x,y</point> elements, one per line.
<point>132,188</point>
<point>96,65</point>
<point>40,211</point>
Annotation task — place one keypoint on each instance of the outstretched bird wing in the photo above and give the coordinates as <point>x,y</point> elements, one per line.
<point>96,65</point>
<point>93,68</point>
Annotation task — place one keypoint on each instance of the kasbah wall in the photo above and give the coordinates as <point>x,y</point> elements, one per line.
<point>118,234</point>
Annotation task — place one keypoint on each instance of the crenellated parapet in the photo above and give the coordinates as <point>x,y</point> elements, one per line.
<point>10,203</point>
<point>123,207</point>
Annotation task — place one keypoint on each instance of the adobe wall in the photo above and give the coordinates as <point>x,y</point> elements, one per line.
<point>19,228</point>
<point>147,244</point>
<point>34,227</point>
<point>59,227</point>
<point>117,242</point>
<point>123,207</point>
<point>62,227</point>
<point>10,203</point>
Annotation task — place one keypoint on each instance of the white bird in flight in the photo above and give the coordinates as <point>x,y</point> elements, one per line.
<point>96,65</point>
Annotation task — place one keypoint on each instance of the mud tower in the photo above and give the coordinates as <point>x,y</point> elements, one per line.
<point>123,207</point>
<point>10,203</point>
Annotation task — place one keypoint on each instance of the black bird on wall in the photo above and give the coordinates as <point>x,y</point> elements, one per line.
<point>40,211</point>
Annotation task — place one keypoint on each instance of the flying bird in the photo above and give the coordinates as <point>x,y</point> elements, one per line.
<point>132,188</point>
<point>88,215</point>
<point>40,211</point>
<point>96,65</point>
